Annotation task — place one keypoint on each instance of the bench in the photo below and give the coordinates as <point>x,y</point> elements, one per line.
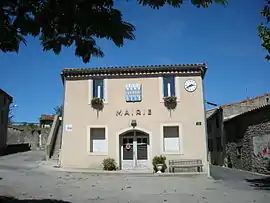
<point>185,163</point>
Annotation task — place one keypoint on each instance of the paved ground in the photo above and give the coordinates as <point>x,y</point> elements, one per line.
<point>23,177</point>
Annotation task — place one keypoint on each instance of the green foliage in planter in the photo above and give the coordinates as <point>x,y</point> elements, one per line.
<point>170,102</point>
<point>97,103</point>
<point>159,160</point>
<point>109,164</point>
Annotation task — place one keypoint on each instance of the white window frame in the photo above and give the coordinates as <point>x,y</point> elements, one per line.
<point>181,150</point>
<point>177,88</point>
<point>88,139</point>
<point>105,90</point>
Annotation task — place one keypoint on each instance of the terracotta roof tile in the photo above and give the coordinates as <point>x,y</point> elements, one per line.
<point>246,100</point>
<point>267,106</point>
<point>202,67</point>
<point>46,117</point>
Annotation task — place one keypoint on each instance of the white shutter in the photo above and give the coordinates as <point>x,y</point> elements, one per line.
<point>99,146</point>
<point>105,90</point>
<point>171,144</point>
<point>161,93</point>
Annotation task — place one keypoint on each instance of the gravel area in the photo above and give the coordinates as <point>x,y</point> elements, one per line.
<point>27,179</point>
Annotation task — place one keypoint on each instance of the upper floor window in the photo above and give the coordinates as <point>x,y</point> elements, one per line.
<point>168,86</point>
<point>98,88</point>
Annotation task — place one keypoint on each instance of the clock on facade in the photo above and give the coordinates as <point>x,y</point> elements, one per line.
<point>190,85</point>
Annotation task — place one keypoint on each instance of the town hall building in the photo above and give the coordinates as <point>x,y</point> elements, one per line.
<point>132,114</point>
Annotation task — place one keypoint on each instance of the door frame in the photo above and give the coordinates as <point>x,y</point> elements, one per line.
<point>119,148</point>
<point>141,161</point>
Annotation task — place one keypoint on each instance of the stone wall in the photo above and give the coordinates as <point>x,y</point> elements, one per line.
<point>240,132</point>
<point>36,138</point>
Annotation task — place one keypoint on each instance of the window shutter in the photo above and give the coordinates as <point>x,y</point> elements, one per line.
<point>165,86</point>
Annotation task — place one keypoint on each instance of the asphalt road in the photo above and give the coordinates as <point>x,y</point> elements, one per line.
<point>239,178</point>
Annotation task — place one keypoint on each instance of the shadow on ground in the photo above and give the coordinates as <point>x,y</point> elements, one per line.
<point>16,148</point>
<point>260,183</point>
<point>4,199</point>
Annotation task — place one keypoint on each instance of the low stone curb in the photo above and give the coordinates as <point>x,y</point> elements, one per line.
<point>101,172</point>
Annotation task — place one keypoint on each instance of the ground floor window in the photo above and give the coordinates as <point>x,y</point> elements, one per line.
<point>98,141</point>
<point>171,139</point>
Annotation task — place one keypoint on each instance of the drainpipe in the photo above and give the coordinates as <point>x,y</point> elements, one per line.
<point>134,124</point>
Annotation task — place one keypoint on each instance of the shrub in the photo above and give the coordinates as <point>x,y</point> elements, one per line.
<point>159,160</point>
<point>109,164</point>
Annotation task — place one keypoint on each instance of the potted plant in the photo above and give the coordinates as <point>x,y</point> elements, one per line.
<point>97,103</point>
<point>170,102</point>
<point>159,164</point>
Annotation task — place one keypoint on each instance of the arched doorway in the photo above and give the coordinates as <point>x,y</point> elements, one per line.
<point>134,150</point>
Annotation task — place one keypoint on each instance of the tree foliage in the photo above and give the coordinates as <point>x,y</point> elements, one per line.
<point>58,110</point>
<point>59,23</point>
<point>11,113</point>
<point>264,29</point>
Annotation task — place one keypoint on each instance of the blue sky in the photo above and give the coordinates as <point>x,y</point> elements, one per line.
<point>225,38</point>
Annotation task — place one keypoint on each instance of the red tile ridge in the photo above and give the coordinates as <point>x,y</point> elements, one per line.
<point>246,100</point>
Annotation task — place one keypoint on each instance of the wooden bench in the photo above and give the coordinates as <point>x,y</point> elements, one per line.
<point>185,163</point>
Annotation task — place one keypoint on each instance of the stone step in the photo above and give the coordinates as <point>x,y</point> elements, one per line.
<point>55,155</point>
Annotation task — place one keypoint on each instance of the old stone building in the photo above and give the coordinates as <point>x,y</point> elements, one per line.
<point>215,135</point>
<point>248,140</point>
<point>215,124</point>
<point>5,101</point>
<point>46,120</point>
<point>237,108</point>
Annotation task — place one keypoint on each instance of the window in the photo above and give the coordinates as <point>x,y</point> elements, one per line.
<point>210,145</point>
<point>239,152</point>
<point>171,139</point>
<point>98,142</point>
<point>98,88</point>
<point>168,86</point>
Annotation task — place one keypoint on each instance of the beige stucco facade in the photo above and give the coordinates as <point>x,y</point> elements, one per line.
<point>5,101</point>
<point>79,117</point>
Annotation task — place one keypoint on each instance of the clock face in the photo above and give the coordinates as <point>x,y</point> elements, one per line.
<point>190,85</point>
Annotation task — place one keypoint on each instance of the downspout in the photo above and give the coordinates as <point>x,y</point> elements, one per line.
<point>62,122</point>
<point>205,126</point>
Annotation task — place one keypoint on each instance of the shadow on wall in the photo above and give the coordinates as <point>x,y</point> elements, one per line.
<point>260,183</point>
<point>16,148</point>
<point>5,199</point>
